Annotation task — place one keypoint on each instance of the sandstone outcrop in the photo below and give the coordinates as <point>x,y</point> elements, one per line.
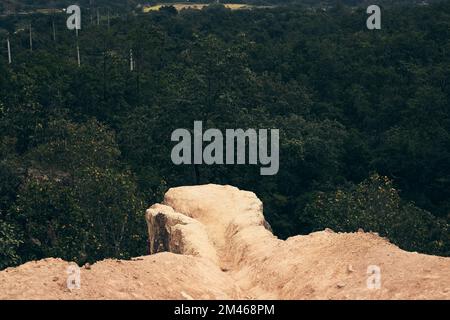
<point>212,242</point>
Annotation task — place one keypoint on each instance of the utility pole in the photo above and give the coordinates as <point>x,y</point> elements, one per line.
<point>104,69</point>
<point>9,51</point>
<point>98,17</point>
<point>131,60</point>
<point>90,11</point>
<point>54,29</point>
<point>78,50</point>
<point>109,22</point>
<point>138,77</point>
<point>31,40</point>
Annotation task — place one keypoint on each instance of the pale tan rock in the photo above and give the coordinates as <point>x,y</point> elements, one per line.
<point>177,233</point>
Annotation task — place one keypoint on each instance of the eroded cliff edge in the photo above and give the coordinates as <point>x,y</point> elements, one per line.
<point>212,242</point>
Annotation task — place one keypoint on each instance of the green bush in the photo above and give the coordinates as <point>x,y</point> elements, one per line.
<point>8,246</point>
<point>374,205</point>
<point>97,215</point>
<point>77,202</point>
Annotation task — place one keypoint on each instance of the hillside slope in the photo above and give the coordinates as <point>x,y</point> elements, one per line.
<point>222,248</point>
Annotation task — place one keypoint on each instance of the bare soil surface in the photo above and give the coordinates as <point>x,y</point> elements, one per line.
<point>221,248</point>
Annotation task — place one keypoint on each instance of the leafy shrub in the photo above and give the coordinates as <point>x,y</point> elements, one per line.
<point>374,205</point>
<point>8,246</point>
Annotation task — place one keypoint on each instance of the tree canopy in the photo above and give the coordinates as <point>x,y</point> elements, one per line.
<point>363,115</point>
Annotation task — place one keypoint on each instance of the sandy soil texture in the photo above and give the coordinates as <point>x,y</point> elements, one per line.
<point>220,247</point>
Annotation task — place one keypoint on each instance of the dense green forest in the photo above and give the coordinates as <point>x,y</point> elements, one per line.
<point>364,120</point>
<point>15,6</point>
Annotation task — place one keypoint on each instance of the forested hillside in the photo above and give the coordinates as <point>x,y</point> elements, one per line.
<point>15,6</point>
<point>364,121</point>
